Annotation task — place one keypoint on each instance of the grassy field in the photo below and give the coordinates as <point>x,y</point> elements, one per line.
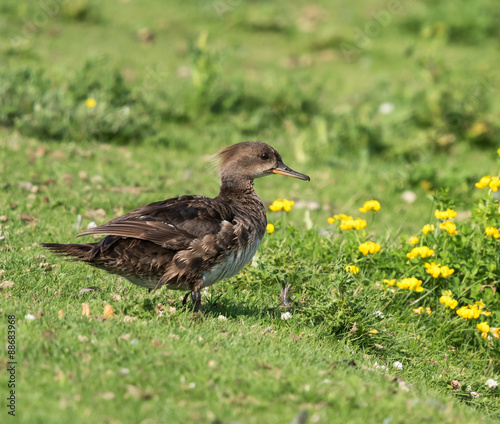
<point>106,107</point>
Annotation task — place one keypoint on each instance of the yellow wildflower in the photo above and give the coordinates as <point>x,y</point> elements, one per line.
<point>270,228</point>
<point>389,282</point>
<point>90,103</point>
<point>373,331</point>
<point>433,269</point>
<point>331,221</point>
<point>353,269</point>
<point>280,204</point>
<point>369,247</point>
<point>483,182</point>
<point>350,223</point>
<point>410,284</point>
<point>422,251</point>
<point>469,312</point>
<point>484,328</point>
<point>447,300</point>
<point>370,205</point>
<point>446,271</point>
<point>428,228</point>
<point>428,310</point>
<point>413,240</point>
<point>494,183</point>
<point>449,227</point>
<point>492,232</point>
<point>495,331</point>
<point>418,310</point>
<point>447,214</point>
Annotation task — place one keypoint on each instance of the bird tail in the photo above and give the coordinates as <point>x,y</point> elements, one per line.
<point>76,252</point>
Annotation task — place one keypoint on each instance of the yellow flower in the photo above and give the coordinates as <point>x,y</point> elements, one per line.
<point>411,284</point>
<point>428,228</point>
<point>495,330</point>
<point>369,247</point>
<point>492,232</point>
<point>349,224</point>
<point>498,151</point>
<point>423,252</point>
<point>446,271</point>
<point>331,221</point>
<point>373,331</point>
<point>413,240</point>
<point>389,282</point>
<point>353,269</point>
<point>449,227</point>
<point>418,310</point>
<point>483,182</point>
<point>469,312</point>
<point>494,183</point>
<point>433,269</point>
<point>287,205</point>
<point>428,310</point>
<point>90,103</point>
<point>484,328</point>
<point>447,299</point>
<point>370,205</point>
<point>447,214</point>
<point>270,228</point>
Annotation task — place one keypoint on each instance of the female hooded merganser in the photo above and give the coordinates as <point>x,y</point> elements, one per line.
<point>189,242</point>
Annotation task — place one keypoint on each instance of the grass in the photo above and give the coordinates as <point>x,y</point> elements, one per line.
<point>195,80</point>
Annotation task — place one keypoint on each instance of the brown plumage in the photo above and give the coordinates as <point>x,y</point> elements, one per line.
<point>189,242</point>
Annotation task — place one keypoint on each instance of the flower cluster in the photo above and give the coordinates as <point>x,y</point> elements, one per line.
<point>447,300</point>
<point>413,240</point>
<point>347,222</point>
<point>472,311</point>
<point>270,228</point>
<point>370,205</point>
<point>353,269</point>
<point>411,284</point>
<point>447,214</point>
<point>450,227</point>
<point>436,270</point>
<point>420,309</point>
<point>484,328</point>
<point>369,247</point>
<point>280,204</point>
<point>492,232</point>
<point>492,182</point>
<point>389,282</point>
<point>428,228</point>
<point>423,252</point>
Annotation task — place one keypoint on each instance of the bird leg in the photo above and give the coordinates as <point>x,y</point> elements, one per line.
<point>185,298</point>
<point>196,297</point>
<point>285,293</point>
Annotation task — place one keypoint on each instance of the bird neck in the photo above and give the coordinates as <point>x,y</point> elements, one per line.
<point>236,188</point>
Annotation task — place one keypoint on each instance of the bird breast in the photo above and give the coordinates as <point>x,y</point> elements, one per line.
<point>232,264</point>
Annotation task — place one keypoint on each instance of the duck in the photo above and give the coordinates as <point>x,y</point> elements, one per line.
<point>189,242</point>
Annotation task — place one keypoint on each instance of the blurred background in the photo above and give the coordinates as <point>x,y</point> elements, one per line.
<point>393,100</point>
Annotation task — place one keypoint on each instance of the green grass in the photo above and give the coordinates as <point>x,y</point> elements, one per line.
<point>274,72</point>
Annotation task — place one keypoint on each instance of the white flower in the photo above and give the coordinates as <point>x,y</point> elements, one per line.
<point>222,318</point>
<point>379,367</point>
<point>91,224</point>
<point>379,314</point>
<point>398,365</point>
<point>29,317</point>
<point>124,371</point>
<point>492,384</point>
<point>286,315</point>
<point>474,394</point>
<point>469,388</point>
<point>386,108</point>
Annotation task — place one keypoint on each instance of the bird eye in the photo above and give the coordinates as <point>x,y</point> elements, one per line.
<point>264,156</point>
